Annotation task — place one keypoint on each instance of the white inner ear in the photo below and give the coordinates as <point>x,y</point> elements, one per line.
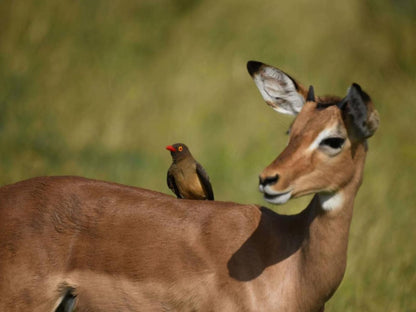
<point>279,91</point>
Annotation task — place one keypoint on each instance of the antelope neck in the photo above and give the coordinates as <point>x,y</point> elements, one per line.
<point>325,241</point>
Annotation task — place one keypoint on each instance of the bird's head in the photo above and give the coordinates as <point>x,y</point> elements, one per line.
<point>178,151</point>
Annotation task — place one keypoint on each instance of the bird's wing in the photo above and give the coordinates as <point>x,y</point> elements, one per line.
<point>172,184</point>
<point>203,177</point>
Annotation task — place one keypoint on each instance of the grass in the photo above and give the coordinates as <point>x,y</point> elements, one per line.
<point>98,89</point>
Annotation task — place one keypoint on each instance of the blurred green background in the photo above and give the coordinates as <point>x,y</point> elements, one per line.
<point>99,88</point>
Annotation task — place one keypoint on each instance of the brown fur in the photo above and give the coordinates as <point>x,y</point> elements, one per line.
<point>121,247</point>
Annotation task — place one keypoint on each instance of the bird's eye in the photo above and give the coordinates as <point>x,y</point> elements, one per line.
<point>332,146</point>
<point>180,148</point>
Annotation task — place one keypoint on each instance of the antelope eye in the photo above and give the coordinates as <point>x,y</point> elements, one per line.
<point>332,146</point>
<point>333,142</point>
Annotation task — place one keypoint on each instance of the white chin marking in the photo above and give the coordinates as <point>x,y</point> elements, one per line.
<point>278,199</point>
<point>331,201</point>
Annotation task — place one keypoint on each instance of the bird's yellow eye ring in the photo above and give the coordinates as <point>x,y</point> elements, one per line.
<point>180,148</point>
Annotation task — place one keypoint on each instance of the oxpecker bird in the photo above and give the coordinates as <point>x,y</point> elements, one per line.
<point>186,177</point>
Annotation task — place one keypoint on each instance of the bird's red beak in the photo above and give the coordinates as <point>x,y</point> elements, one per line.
<point>171,148</point>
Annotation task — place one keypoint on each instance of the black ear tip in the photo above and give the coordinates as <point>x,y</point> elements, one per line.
<point>311,95</point>
<point>253,67</point>
<point>356,88</point>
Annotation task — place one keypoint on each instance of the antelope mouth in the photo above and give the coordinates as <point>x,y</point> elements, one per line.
<point>278,198</point>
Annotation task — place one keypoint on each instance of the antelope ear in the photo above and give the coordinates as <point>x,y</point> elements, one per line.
<point>278,89</point>
<point>359,111</point>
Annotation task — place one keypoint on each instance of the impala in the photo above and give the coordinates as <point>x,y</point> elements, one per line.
<point>74,244</point>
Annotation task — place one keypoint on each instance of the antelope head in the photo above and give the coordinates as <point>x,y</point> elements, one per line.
<point>327,139</point>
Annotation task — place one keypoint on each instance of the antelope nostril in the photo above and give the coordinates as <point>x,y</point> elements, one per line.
<point>268,180</point>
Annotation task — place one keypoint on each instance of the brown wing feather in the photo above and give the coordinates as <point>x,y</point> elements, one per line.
<point>172,185</point>
<point>203,177</point>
